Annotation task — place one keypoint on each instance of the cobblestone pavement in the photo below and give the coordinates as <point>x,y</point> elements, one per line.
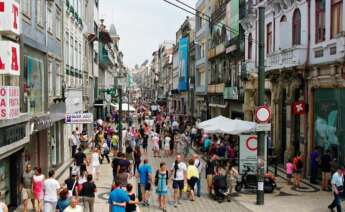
<point>202,204</point>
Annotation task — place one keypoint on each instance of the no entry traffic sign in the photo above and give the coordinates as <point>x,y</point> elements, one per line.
<point>263,114</point>
<point>252,143</point>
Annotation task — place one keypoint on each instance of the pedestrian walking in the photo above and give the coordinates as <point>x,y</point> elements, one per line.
<point>51,189</point>
<point>73,142</point>
<point>95,163</point>
<point>179,170</point>
<point>80,161</point>
<point>115,164</point>
<point>71,184</point>
<point>63,202</point>
<point>74,207</point>
<point>137,159</point>
<point>326,170</point>
<point>118,198</point>
<point>337,188</point>
<point>145,180</point>
<point>210,172</point>
<point>26,186</point>
<point>167,141</point>
<point>232,175</point>
<point>131,206</point>
<point>289,170</point>
<point>192,178</point>
<point>122,177</point>
<point>161,183</point>
<point>155,143</point>
<point>298,169</point>
<point>37,186</point>
<point>88,194</point>
<point>105,152</point>
<point>314,162</point>
<point>198,164</point>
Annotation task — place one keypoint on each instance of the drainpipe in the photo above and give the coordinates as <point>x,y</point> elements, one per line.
<point>305,93</point>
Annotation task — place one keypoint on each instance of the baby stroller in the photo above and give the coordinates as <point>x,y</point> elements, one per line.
<point>220,188</point>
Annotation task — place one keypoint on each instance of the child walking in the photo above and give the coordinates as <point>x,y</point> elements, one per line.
<point>289,170</point>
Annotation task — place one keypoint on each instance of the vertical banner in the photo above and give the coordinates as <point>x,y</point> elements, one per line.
<point>9,102</point>
<point>183,64</point>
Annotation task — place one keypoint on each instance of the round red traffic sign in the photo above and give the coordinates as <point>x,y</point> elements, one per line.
<point>263,114</point>
<point>252,143</point>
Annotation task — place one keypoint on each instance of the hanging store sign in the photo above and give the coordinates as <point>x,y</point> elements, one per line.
<point>9,58</point>
<point>79,118</point>
<point>9,102</point>
<point>9,17</point>
<point>298,108</point>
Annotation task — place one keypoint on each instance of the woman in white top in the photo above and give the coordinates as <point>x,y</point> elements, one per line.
<point>167,140</point>
<point>95,163</point>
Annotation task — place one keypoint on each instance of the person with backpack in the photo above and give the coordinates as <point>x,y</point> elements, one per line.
<point>161,183</point>
<point>179,169</point>
<point>298,169</point>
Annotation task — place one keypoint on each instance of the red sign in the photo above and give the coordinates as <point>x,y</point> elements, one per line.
<point>9,17</point>
<point>298,108</point>
<point>263,114</point>
<point>252,143</point>
<point>9,102</point>
<point>9,58</point>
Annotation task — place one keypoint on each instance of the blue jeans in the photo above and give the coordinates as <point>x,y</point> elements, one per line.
<point>336,202</point>
<point>198,186</point>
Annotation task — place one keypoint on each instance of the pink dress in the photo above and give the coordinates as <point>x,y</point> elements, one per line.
<point>38,186</point>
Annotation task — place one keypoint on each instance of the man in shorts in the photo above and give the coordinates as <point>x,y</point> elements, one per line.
<point>27,187</point>
<point>145,176</point>
<point>179,173</point>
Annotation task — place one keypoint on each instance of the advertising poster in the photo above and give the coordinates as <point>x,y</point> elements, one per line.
<point>9,102</point>
<point>248,154</point>
<point>183,64</point>
<point>79,118</point>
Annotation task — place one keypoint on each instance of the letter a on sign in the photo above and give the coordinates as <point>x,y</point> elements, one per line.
<point>9,58</point>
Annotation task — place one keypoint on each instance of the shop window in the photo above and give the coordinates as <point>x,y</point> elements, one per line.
<point>26,7</point>
<point>34,85</point>
<point>296,28</point>
<point>336,17</point>
<point>269,39</point>
<point>320,20</point>
<point>329,116</point>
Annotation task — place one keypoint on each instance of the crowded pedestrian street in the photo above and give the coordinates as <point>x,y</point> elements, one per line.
<point>172,105</point>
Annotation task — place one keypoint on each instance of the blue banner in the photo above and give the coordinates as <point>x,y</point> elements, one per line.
<point>183,64</point>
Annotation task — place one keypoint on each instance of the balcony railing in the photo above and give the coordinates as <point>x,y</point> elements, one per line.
<point>286,58</point>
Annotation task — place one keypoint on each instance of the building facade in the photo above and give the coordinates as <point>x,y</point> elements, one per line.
<point>304,77</point>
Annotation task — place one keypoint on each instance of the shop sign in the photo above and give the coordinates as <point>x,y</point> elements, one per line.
<point>220,88</point>
<point>298,108</point>
<point>9,17</point>
<point>9,102</point>
<point>211,88</point>
<point>9,135</point>
<point>79,118</point>
<point>231,48</point>
<point>231,93</point>
<point>220,49</point>
<point>9,58</point>
<point>211,53</point>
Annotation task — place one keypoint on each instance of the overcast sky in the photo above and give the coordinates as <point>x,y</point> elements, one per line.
<point>142,25</point>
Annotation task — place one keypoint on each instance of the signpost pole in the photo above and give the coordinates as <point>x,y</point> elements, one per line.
<point>261,89</point>
<point>120,119</point>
